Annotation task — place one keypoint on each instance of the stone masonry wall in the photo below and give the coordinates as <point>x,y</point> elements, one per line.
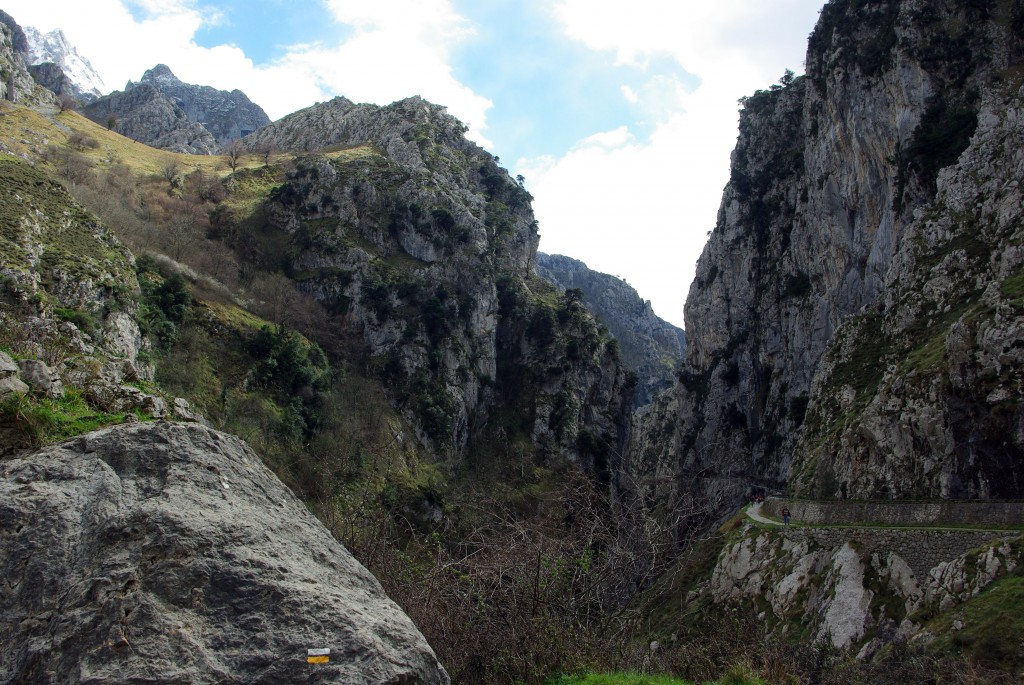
<point>899,513</point>
<point>923,550</point>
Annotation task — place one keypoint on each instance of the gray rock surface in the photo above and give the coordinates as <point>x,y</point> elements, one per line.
<point>53,78</point>
<point>17,84</point>
<point>227,115</point>
<point>158,552</point>
<point>430,246</point>
<point>19,40</point>
<point>164,112</point>
<point>41,378</point>
<point>651,347</point>
<point>853,329</point>
<point>142,113</point>
<point>858,588</point>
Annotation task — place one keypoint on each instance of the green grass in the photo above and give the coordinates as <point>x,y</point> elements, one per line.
<point>991,626</point>
<point>46,420</point>
<point>71,241</point>
<point>739,674</point>
<point>617,679</point>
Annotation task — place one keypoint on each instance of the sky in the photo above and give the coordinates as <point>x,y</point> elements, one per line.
<point>620,114</point>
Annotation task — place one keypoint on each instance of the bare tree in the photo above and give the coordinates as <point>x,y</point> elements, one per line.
<point>170,170</point>
<point>66,102</point>
<point>234,152</point>
<point>266,150</point>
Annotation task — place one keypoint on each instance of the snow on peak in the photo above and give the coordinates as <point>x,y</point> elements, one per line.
<point>54,47</point>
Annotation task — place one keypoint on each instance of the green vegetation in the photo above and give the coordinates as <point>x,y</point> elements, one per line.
<point>42,421</point>
<point>988,629</point>
<point>860,33</point>
<point>617,679</point>
<point>942,135</point>
<point>71,244</point>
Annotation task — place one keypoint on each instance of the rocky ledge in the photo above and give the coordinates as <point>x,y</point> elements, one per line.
<point>162,552</point>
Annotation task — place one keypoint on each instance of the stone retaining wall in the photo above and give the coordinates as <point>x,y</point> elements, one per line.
<point>899,513</point>
<point>923,550</point>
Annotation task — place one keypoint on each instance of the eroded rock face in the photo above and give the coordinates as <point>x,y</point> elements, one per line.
<point>161,552</point>
<point>858,589</point>
<point>854,323</point>
<point>17,84</point>
<point>162,111</point>
<point>651,347</point>
<point>429,247</point>
<point>142,113</point>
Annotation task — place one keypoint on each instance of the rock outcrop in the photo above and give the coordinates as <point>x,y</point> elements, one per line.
<point>851,326</point>
<point>226,115</point>
<point>651,347</point>
<point>142,113</point>
<point>164,112</point>
<point>16,83</point>
<point>166,552</point>
<point>57,66</point>
<point>430,247</point>
<point>859,589</point>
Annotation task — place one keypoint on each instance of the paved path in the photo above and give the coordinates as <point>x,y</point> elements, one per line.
<point>754,512</point>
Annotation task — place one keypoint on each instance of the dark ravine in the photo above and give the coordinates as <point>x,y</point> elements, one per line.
<point>651,347</point>
<point>161,552</point>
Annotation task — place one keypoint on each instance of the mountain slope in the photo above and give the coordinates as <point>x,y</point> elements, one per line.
<point>834,270</point>
<point>423,240</point>
<point>650,346</point>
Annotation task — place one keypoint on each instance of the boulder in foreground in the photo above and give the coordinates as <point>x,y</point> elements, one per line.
<point>168,553</point>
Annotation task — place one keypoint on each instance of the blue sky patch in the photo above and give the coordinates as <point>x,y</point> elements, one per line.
<point>264,30</point>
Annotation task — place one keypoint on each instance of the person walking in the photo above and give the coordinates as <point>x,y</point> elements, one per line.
<point>785,515</point>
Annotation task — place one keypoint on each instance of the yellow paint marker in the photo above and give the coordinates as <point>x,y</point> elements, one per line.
<point>318,656</point>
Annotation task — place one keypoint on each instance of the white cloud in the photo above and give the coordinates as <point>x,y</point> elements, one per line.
<point>642,209</point>
<point>406,41</point>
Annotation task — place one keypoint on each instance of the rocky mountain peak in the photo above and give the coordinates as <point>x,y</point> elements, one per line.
<point>63,70</point>
<point>163,111</point>
<point>651,347</point>
<point>161,73</point>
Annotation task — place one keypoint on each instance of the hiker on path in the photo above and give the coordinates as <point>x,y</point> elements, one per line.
<point>785,515</point>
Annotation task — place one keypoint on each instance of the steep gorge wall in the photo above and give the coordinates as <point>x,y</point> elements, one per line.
<point>832,177</point>
<point>429,247</point>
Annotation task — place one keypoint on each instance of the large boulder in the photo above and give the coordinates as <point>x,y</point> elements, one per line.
<point>162,552</point>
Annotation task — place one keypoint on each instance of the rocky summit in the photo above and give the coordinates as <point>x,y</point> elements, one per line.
<point>169,553</point>
<point>57,65</point>
<point>162,111</point>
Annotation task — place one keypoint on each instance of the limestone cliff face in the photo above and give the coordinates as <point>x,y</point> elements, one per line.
<point>164,552</point>
<point>142,113</point>
<point>828,260</point>
<point>651,347</point>
<point>429,247</point>
<point>162,111</point>
<point>16,83</point>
